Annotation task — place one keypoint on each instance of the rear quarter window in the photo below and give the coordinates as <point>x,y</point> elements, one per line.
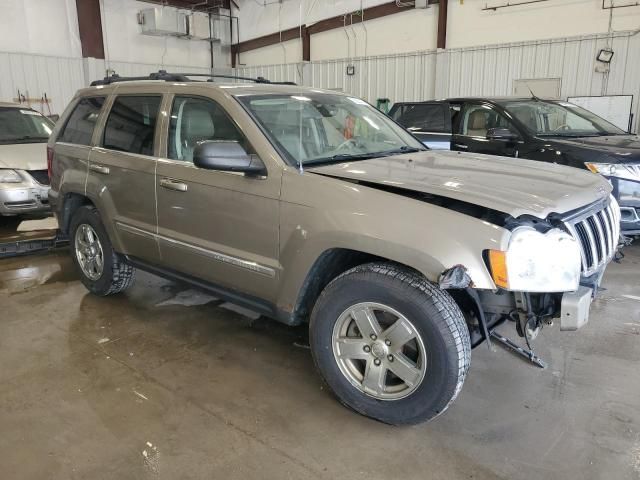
<point>131,124</point>
<point>82,121</point>
<point>423,118</point>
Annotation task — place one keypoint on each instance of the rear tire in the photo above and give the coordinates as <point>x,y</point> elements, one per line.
<point>102,270</point>
<point>407,374</point>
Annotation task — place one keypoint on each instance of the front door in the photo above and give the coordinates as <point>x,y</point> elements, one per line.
<point>220,227</point>
<point>122,174</point>
<point>472,125</point>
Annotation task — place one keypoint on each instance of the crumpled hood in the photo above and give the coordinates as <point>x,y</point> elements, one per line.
<point>513,186</point>
<point>24,156</point>
<point>614,148</point>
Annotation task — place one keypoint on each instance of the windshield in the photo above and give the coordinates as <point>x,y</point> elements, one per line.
<point>18,125</point>
<point>321,128</point>
<point>559,119</point>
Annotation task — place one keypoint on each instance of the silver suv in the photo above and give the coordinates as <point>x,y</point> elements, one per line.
<point>312,206</point>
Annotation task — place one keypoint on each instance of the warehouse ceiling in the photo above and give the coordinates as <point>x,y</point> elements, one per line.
<point>200,5</point>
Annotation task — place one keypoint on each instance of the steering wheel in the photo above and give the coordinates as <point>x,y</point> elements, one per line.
<point>564,126</point>
<point>343,145</point>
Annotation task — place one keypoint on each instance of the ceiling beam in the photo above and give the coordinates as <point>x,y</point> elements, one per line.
<point>198,5</point>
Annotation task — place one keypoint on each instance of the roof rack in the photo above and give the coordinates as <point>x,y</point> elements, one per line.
<point>165,76</point>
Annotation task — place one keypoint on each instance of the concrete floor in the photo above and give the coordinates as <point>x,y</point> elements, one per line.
<point>141,385</point>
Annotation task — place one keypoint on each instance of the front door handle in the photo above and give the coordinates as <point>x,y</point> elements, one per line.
<point>94,167</point>
<point>461,146</point>
<point>173,185</point>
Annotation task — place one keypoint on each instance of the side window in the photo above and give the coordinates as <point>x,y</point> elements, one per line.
<point>131,124</point>
<point>478,119</point>
<point>82,121</point>
<point>424,118</point>
<point>195,120</point>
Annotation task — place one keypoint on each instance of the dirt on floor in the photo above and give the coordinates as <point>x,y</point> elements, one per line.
<point>168,382</point>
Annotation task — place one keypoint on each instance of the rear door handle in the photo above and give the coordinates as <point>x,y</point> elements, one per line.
<point>99,169</point>
<point>461,146</point>
<point>173,185</point>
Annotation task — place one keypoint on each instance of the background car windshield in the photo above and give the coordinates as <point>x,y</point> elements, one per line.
<point>313,128</point>
<point>19,125</point>
<point>561,119</point>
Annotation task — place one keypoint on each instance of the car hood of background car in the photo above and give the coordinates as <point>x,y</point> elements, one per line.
<point>24,156</point>
<point>513,186</point>
<point>606,149</point>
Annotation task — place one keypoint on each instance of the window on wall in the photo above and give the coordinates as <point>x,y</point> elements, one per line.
<point>194,120</point>
<point>82,121</point>
<point>131,124</point>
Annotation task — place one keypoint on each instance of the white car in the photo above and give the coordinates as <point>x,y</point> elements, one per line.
<point>24,178</point>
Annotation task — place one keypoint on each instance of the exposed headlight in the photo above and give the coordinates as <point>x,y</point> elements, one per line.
<point>9,176</point>
<point>537,262</point>
<point>615,170</point>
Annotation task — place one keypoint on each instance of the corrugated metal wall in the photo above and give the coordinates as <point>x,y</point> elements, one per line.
<point>483,71</point>
<point>60,78</point>
<point>35,75</point>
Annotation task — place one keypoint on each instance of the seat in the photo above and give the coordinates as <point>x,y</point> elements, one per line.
<point>477,123</point>
<point>197,125</point>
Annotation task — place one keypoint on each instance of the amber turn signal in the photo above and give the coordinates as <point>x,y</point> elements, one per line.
<point>498,263</point>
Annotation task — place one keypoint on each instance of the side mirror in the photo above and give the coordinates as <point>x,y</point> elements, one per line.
<point>501,134</point>
<point>226,156</point>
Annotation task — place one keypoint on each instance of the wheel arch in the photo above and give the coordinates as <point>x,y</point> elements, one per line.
<point>330,264</point>
<point>71,202</point>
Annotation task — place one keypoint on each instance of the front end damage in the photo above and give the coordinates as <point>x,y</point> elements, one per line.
<point>531,297</point>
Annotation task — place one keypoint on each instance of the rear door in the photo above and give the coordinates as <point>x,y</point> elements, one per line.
<point>430,122</point>
<point>473,123</point>
<point>72,147</point>
<point>221,227</point>
<point>121,178</point>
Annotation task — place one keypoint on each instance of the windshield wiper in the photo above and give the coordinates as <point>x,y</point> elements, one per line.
<point>343,157</point>
<point>403,149</point>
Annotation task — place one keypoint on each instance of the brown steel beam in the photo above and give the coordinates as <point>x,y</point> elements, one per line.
<point>306,44</point>
<point>272,39</point>
<point>442,24</point>
<point>338,21</point>
<point>370,13</point>
<point>90,28</point>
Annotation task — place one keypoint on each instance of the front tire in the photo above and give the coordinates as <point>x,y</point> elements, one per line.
<point>102,270</point>
<point>390,344</point>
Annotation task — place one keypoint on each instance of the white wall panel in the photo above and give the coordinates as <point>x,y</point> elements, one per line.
<point>35,75</point>
<point>60,77</point>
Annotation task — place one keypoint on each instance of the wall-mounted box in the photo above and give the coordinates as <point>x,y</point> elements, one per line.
<point>163,21</point>
<point>199,26</point>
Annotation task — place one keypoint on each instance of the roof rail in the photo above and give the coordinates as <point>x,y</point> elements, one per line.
<point>163,75</point>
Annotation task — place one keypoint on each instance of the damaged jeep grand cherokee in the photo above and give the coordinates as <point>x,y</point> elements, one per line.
<point>312,206</point>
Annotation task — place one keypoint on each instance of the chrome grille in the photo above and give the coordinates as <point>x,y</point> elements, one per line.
<point>597,233</point>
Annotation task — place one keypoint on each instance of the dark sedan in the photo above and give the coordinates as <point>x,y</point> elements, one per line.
<point>545,130</point>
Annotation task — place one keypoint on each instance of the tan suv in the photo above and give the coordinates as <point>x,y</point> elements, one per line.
<point>312,206</point>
